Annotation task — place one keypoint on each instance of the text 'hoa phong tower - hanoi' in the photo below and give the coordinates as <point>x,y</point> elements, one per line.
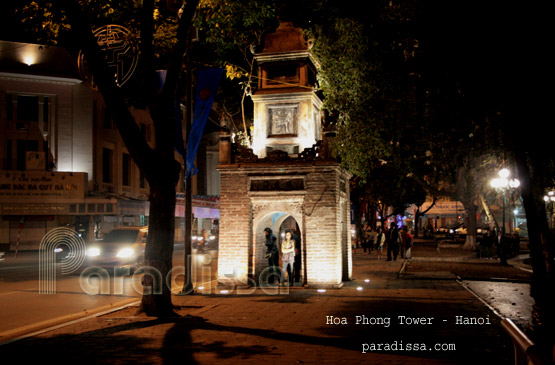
<point>287,180</point>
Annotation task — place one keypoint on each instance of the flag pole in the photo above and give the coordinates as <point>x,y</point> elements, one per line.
<point>188,284</point>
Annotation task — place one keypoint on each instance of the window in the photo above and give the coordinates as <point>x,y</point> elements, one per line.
<point>126,171</point>
<point>9,154</point>
<point>9,107</point>
<point>283,74</point>
<point>27,108</point>
<point>107,164</point>
<point>45,113</point>
<point>24,146</point>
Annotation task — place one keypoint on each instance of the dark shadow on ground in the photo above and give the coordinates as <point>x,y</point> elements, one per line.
<point>105,345</point>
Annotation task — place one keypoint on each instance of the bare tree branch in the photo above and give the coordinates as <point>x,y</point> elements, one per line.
<point>147,52</point>
<point>176,61</point>
<point>129,130</point>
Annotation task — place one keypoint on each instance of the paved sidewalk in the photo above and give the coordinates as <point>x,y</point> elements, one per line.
<point>292,328</point>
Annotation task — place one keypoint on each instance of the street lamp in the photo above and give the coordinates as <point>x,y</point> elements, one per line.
<point>503,183</point>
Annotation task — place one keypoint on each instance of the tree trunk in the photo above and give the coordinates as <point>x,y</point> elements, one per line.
<point>470,242</point>
<point>159,165</point>
<point>541,252</point>
<point>156,300</point>
<point>371,211</point>
<point>358,223</point>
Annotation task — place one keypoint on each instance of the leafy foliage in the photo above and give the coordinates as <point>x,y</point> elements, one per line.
<point>347,78</point>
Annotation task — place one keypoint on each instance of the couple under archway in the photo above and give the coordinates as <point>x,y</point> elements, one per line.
<point>284,256</point>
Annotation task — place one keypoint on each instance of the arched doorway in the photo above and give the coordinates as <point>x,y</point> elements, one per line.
<point>290,223</point>
<point>278,222</point>
<point>259,195</point>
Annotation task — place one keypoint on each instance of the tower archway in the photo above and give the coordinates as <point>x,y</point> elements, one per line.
<point>272,211</point>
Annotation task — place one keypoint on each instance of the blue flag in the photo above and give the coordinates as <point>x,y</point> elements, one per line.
<point>207,86</point>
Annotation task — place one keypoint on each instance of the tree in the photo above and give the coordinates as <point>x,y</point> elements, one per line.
<point>476,75</point>
<point>230,32</point>
<point>157,164</point>
<point>164,39</point>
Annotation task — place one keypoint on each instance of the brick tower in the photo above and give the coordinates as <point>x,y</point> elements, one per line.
<point>287,179</point>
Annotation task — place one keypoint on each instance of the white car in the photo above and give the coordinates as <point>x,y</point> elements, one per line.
<point>122,247</point>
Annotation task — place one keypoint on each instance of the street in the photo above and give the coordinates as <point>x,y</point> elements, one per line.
<point>375,318</point>
<point>23,306</point>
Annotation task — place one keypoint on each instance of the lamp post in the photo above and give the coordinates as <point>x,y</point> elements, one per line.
<point>503,183</point>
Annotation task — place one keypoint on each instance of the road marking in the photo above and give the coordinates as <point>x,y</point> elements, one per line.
<point>18,291</point>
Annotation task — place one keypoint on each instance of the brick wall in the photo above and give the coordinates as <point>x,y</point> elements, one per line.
<point>321,211</point>
<point>234,227</point>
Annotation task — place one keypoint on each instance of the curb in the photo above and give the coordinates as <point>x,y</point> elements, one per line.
<point>517,262</point>
<point>443,259</point>
<point>490,307</point>
<point>35,329</point>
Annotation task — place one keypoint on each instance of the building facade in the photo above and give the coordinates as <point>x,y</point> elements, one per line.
<point>62,160</point>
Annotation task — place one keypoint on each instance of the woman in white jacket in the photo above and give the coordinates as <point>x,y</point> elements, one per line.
<point>287,257</point>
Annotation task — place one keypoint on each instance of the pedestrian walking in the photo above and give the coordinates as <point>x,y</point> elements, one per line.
<point>407,242</point>
<point>363,240</point>
<point>393,242</point>
<point>380,242</point>
<point>272,254</point>
<point>368,238</point>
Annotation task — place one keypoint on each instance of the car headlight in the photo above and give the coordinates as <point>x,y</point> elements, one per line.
<point>125,253</point>
<point>58,250</point>
<point>451,231</point>
<point>93,251</point>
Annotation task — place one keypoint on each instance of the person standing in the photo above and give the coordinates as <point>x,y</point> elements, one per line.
<point>393,242</point>
<point>502,248</point>
<point>407,242</point>
<point>380,242</point>
<point>488,240</point>
<point>363,241</point>
<point>515,249</point>
<point>373,239</point>
<point>202,244</point>
<point>368,238</point>
<point>287,257</point>
<point>272,254</point>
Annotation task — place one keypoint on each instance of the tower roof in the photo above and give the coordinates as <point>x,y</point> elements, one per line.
<point>287,38</point>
